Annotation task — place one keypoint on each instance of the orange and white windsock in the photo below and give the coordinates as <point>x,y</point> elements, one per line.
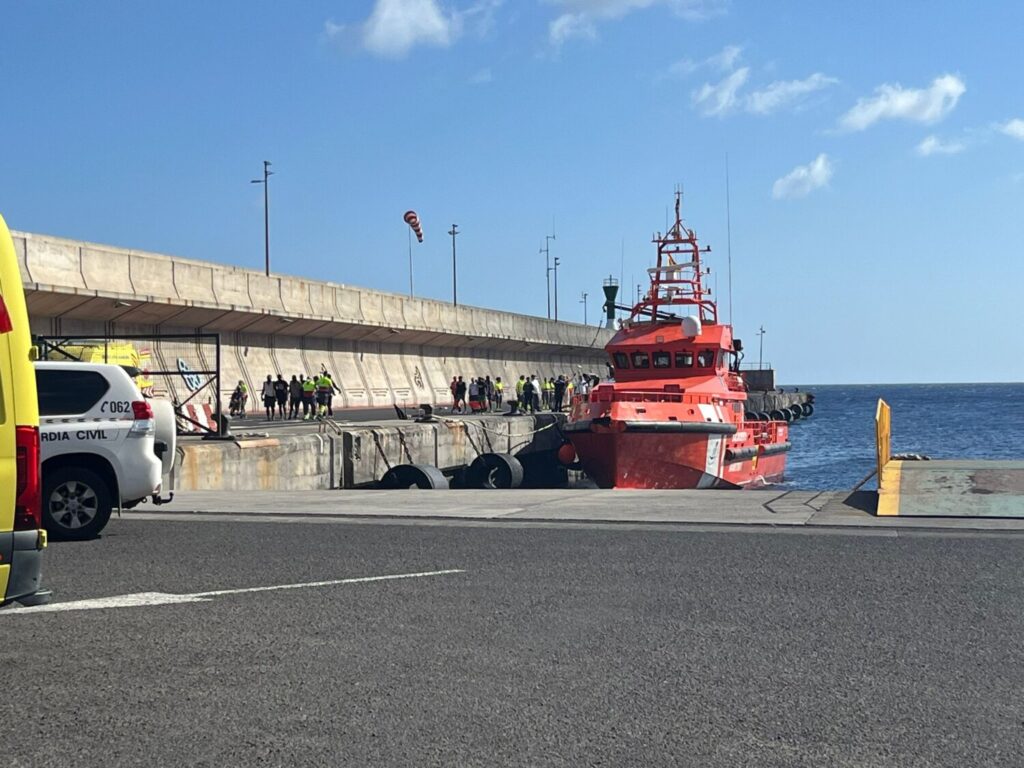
<point>414,221</point>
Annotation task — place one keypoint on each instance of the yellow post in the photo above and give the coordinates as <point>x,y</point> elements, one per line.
<point>888,470</point>
<point>883,436</point>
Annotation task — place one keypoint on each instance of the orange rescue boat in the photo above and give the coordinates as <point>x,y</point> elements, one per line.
<point>674,415</point>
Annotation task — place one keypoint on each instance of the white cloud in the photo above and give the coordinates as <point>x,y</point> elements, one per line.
<point>724,60</point>
<point>1013,128</point>
<point>721,99</point>
<point>803,179</point>
<point>893,102</point>
<point>395,27</point>
<point>782,93</point>
<point>933,145</point>
<point>579,17</point>
<point>481,76</point>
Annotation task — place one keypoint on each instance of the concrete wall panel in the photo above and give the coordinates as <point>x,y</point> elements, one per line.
<point>370,365</point>
<point>19,253</point>
<point>321,299</point>
<point>401,385</point>
<point>347,305</point>
<point>346,374</point>
<point>194,282</point>
<point>288,357</point>
<point>412,310</point>
<point>371,305</point>
<point>265,293</point>
<point>152,276</point>
<point>393,311</point>
<point>54,263</point>
<point>295,296</point>
<point>231,288</point>
<point>106,271</point>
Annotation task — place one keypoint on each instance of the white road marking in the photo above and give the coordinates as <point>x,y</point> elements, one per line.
<point>139,599</point>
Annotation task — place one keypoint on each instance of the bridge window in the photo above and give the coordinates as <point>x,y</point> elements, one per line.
<point>621,360</point>
<point>684,359</point>
<point>662,360</point>
<point>641,360</point>
<point>706,358</point>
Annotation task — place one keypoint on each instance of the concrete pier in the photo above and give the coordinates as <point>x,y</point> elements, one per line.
<point>383,348</point>
<point>355,455</point>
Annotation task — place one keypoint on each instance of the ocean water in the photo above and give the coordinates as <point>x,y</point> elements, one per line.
<point>835,448</point>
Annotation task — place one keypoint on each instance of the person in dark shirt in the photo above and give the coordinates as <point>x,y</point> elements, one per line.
<point>528,396</point>
<point>281,395</point>
<point>294,397</point>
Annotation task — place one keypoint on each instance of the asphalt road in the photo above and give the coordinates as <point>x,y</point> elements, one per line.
<point>557,645</point>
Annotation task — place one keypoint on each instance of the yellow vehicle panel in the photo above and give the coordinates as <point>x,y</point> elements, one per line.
<point>19,407</point>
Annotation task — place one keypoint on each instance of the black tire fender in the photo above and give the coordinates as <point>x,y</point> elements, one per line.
<point>495,470</point>
<point>808,409</point>
<point>404,476</point>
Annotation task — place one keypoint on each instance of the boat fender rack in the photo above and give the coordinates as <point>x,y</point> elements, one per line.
<point>742,454</point>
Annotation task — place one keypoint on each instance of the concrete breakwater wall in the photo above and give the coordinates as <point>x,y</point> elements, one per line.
<point>382,348</point>
<point>358,455</point>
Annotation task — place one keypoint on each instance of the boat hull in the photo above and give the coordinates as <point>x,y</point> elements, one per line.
<point>622,459</point>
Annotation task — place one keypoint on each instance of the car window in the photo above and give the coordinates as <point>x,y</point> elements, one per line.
<point>64,393</point>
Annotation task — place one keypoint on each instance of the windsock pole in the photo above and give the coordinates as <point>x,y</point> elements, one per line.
<point>413,221</point>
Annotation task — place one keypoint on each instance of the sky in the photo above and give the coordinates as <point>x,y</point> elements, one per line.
<point>875,155</point>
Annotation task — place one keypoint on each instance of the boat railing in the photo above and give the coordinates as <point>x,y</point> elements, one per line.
<point>612,395</point>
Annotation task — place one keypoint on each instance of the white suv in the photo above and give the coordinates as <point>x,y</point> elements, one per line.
<point>97,444</point>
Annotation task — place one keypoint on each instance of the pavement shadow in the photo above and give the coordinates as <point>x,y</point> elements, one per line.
<point>865,501</point>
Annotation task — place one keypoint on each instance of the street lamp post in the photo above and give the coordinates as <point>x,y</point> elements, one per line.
<point>267,173</point>
<point>556,263</point>
<point>583,301</point>
<point>455,294</point>
<point>546,250</point>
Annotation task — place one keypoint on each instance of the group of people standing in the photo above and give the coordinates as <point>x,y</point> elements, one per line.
<point>478,394</point>
<point>531,393</point>
<point>312,395</point>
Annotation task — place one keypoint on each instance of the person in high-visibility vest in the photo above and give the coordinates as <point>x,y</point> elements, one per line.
<point>308,398</point>
<point>499,392</point>
<point>324,390</point>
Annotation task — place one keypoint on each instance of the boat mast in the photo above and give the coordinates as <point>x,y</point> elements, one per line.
<point>678,281</point>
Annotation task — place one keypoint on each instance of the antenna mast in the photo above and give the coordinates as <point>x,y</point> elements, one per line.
<point>728,232</point>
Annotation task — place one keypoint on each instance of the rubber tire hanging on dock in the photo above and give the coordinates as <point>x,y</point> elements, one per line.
<point>495,470</point>
<point>750,416</point>
<point>797,411</point>
<point>403,476</point>
<point>808,409</point>
<point>778,415</point>
<point>763,416</point>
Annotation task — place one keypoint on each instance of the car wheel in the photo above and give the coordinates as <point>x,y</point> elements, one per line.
<point>76,503</point>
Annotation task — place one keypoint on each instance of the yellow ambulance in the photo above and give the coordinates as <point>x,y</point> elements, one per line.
<point>22,538</point>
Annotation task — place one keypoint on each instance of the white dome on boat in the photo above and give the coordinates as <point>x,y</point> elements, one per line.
<point>691,326</point>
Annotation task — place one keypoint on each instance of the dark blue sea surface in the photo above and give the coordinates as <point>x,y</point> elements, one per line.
<point>835,448</point>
